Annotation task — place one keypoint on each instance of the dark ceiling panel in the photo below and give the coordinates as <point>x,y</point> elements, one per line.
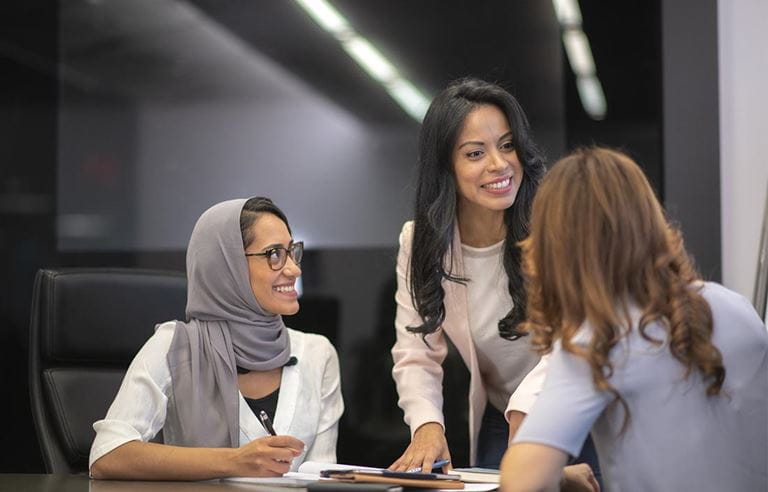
<point>431,42</point>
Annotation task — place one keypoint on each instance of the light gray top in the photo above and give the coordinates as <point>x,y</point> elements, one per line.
<point>678,438</point>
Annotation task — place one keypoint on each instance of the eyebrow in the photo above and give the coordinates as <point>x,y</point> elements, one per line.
<point>476,142</point>
<point>276,245</point>
<point>471,142</point>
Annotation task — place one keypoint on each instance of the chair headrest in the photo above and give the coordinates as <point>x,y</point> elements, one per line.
<point>104,315</point>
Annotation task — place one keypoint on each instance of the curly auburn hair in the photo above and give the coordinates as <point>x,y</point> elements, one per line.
<point>600,241</point>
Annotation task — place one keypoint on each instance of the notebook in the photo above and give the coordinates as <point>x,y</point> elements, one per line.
<point>477,475</point>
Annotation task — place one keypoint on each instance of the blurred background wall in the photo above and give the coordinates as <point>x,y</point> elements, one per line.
<point>122,120</point>
<point>743,146</point>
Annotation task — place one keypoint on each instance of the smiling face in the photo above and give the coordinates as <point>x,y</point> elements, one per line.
<point>488,172</point>
<point>274,290</point>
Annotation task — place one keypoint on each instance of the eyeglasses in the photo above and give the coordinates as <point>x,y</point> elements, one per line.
<point>277,256</point>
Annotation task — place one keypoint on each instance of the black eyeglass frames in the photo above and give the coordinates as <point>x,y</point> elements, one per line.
<point>278,255</point>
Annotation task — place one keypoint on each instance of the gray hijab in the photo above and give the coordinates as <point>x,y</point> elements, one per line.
<point>226,328</point>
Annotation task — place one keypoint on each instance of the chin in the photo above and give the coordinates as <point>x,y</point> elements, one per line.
<point>507,202</point>
<point>499,205</point>
<point>291,309</point>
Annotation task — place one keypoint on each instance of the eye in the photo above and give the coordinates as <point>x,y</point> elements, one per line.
<point>474,154</point>
<point>508,146</point>
<point>273,255</point>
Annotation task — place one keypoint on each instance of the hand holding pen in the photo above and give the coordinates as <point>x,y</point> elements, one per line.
<point>266,422</point>
<point>268,456</point>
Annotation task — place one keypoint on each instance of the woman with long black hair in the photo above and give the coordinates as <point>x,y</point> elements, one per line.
<point>459,273</point>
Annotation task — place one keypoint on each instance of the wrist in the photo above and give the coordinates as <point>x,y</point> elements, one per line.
<point>429,427</point>
<point>226,462</point>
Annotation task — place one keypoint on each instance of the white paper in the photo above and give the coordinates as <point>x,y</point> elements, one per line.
<point>476,487</point>
<point>315,467</point>
<point>310,471</point>
<point>468,487</point>
<point>290,479</point>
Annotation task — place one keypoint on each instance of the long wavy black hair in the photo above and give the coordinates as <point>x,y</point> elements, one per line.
<point>436,199</point>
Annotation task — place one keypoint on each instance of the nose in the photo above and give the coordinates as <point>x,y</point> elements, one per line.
<point>291,268</point>
<point>496,162</point>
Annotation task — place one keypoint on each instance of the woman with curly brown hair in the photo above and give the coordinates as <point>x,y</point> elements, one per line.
<point>669,373</point>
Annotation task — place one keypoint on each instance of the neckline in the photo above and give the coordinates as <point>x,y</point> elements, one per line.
<point>475,252</point>
<point>263,398</point>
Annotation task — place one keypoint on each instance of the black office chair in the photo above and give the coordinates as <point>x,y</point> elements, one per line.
<point>86,326</point>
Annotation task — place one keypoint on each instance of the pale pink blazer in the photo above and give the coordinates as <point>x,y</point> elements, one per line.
<point>418,371</point>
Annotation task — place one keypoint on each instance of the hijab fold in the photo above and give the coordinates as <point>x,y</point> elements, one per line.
<point>227,328</point>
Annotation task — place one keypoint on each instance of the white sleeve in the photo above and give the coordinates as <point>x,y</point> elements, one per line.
<point>331,407</point>
<point>567,407</point>
<point>138,411</point>
<point>529,388</point>
<point>417,369</point>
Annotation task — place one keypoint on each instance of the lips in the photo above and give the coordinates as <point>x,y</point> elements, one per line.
<point>285,289</point>
<point>498,184</point>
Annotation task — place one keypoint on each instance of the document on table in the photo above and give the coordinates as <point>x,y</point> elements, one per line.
<point>290,479</point>
<point>309,471</point>
<point>479,475</point>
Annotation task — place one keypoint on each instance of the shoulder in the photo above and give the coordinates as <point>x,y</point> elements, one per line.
<point>159,343</point>
<point>406,233</point>
<point>152,359</point>
<point>731,311</point>
<point>311,346</point>
<point>719,296</point>
<point>727,305</point>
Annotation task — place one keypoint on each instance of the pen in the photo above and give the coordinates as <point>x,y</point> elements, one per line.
<point>266,422</point>
<point>436,464</point>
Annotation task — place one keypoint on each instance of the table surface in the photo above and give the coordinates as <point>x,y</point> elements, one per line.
<point>81,483</point>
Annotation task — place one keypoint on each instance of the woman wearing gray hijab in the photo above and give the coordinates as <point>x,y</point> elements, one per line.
<point>204,382</point>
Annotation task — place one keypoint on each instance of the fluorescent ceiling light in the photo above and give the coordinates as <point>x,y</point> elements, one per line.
<point>410,99</point>
<point>579,53</point>
<point>568,12</point>
<point>580,58</point>
<point>324,14</point>
<point>592,96</point>
<point>375,64</point>
<point>368,57</point>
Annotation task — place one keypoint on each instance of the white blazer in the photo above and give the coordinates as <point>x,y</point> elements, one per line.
<point>308,407</point>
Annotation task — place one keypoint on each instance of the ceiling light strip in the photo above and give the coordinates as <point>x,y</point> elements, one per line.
<point>370,59</point>
<point>580,58</point>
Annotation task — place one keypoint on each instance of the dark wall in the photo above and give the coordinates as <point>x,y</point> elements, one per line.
<point>627,58</point>
<point>27,197</point>
<point>691,127</point>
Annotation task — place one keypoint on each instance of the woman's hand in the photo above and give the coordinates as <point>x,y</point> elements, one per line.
<point>269,456</point>
<point>579,478</point>
<point>427,446</point>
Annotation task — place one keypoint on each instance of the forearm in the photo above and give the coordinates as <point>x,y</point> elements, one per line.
<point>418,376</point>
<point>531,467</point>
<point>515,419</point>
<point>138,460</point>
